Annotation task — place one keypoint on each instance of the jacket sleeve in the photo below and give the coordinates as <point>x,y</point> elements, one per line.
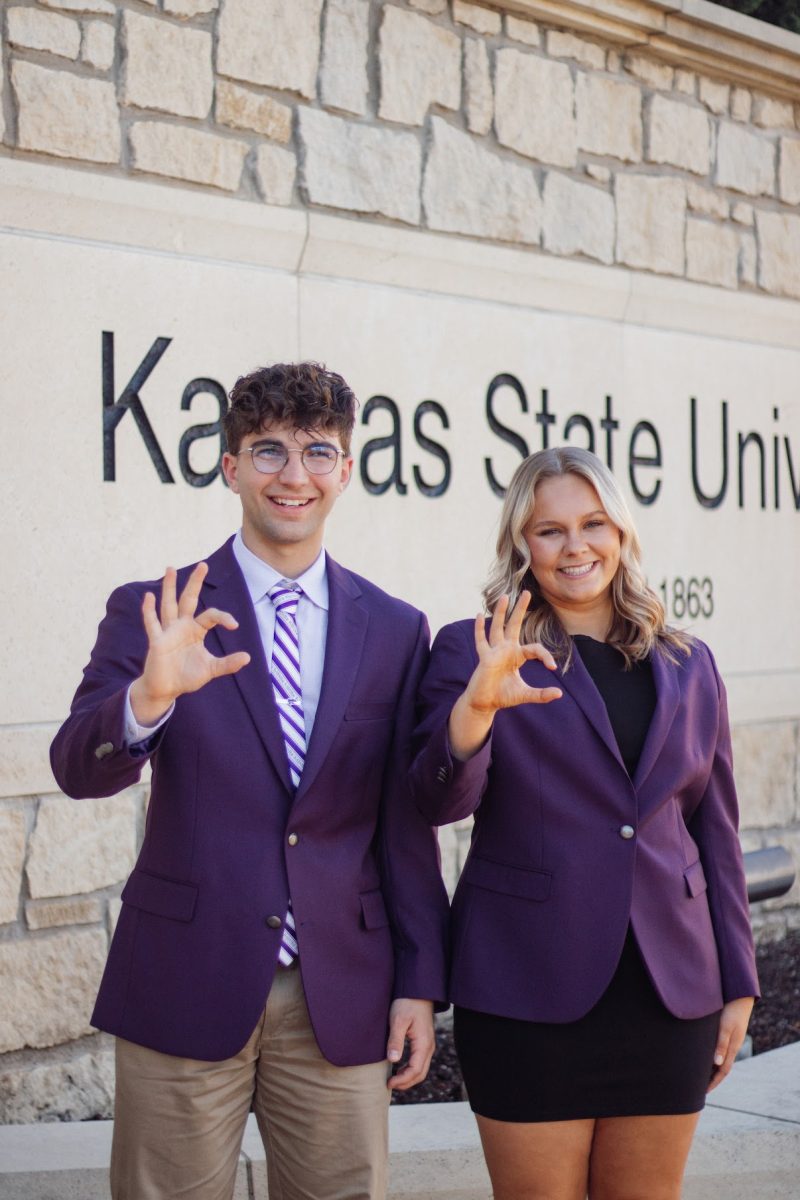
<point>714,827</point>
<point>446,789</point>
<point>409,858</point>
<point>89,756</point>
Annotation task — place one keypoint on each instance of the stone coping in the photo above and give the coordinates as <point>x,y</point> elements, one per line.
<point>78,205</point>
<point>684,33</point>
<point>747,1144</point>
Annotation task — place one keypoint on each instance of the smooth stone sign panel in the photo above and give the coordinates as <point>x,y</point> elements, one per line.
<point>88,322</point>
<point>683,419</point>
<point>118,360</point>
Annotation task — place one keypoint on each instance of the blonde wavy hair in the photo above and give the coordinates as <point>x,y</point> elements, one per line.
<point>639,625</point>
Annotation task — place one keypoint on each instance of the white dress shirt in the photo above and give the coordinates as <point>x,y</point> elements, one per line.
<point>312,627</point>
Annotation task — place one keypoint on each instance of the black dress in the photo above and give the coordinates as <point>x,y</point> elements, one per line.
<point>629,1056</point>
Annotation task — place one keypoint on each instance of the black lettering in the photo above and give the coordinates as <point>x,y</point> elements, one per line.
<point>776,473</point>
<point>794,486</point>
<point>196,433</point>
<point>434,448</point>
<point>743,442</point>
<point>545,418</point>
<point>644,460</point>
<point>114,410</point>
<point>578,420</point>
<point>708,501</point>
<point>609,423</point>
<point>503,431</point>
<point>391,442</point>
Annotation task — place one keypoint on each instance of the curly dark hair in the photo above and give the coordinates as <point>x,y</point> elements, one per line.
<point>305,395</point>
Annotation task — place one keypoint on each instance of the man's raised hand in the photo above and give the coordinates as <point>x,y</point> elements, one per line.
<point>177,659</point>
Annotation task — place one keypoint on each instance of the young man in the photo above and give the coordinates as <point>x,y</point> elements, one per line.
<point>283,931</point>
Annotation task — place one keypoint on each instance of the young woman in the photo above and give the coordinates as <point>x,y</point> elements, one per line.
<point>603,970</point>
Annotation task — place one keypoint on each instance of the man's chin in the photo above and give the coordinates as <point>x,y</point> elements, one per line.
<point>287,533</point>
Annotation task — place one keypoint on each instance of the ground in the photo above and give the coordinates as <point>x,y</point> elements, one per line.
<point>775,1022</point>
<point>776,1018</point>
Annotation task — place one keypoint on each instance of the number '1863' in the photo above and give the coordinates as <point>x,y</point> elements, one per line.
<point>690,598</point>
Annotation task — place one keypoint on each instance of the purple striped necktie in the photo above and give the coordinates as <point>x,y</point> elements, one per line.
<point>287,688</point>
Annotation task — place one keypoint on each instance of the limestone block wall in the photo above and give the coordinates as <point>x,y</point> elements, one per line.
<point>662,135</point>
<point>767,767</point>
<point>665,141</point>
<point>62,864</point>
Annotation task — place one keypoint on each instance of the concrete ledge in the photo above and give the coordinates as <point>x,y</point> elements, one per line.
<point>747,1148</point>
<point>748,1142</point>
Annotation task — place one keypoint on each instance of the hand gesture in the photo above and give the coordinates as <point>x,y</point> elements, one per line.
<point>177,659</point>
<point>496,682</point>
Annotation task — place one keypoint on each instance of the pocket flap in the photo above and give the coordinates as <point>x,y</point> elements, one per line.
<point>373,910</point>
<point>511,881</point>
<point>159,896</point>
<point>695,878</point>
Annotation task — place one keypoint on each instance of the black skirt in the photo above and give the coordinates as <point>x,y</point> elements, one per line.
<point>629,1056</point>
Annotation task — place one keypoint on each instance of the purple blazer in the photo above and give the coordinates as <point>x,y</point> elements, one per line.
<point>568,850</point>
<point>194,952</point>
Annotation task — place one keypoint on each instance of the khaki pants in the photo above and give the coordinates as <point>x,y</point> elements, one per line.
<point>179,1122</point>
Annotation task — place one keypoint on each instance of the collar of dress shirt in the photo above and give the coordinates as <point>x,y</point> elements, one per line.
<point>259,576</point>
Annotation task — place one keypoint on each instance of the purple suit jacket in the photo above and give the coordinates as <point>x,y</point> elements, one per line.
<point>193,956</point>
<point>551,884</point>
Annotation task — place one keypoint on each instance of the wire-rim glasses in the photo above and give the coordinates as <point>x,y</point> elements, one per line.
<point>318,458</point>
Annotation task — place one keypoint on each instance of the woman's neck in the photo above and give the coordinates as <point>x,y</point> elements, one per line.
<point>595,622</point>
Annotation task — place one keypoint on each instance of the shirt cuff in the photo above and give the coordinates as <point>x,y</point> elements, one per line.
<point>135,733</point>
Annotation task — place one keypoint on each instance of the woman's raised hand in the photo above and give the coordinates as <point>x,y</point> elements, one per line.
<point>177,659</point>
<point>496,682</point>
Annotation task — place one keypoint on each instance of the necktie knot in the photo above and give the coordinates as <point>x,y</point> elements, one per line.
<point>285,599</point>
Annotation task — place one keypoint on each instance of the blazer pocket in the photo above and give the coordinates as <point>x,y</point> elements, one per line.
<point>159,896</point>
<point>369,712</point>
<point>695,878</point>
<point>373,910</point>
<point>509,881</point>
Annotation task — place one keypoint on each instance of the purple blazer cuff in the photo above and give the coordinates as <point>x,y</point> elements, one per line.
<point>89,755</point>
<point>445,788</point>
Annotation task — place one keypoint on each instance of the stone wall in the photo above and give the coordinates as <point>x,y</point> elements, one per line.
<point>62,864</point>
<point>454,117</point>
<point>767,766</point>
<point>665,147</point>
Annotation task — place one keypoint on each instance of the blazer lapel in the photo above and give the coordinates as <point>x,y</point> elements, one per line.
<point>668,694</point>
<point>347,628</point>
<point>224,588</point>
<point>580,685</point>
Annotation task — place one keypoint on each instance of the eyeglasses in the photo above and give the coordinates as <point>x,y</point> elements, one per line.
<point>318,458</point>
